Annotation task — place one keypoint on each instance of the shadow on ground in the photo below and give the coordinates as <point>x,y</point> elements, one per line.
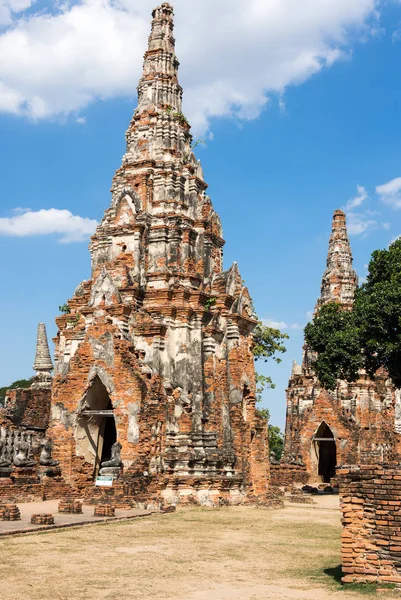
<point>335,573</point>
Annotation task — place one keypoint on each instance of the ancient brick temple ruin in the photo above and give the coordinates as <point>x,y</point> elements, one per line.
<point>359,422</point>
<point>154,381</point>
<point>27,410</point>
<point>27,470</point>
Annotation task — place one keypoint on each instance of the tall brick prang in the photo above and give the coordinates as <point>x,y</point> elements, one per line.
<point>357,422</point>
<point>155,350</point>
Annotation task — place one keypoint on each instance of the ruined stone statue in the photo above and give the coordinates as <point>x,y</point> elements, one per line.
<point>115,460</point>
<point>21,458</point>
<point>4,462</point>
<point>46,454</point>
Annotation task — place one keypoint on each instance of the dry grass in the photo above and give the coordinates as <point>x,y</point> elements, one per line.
<point>194,554</point>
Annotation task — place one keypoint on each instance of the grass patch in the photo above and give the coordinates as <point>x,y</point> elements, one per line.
<point>189,552</point>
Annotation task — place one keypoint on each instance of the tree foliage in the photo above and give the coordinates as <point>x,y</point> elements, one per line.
<point>267,342</point>
<point>276,441</point>
<point>20,383</point>
<point>369,335</point>
<point>335,338</point>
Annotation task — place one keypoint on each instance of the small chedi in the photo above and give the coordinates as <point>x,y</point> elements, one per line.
<point>154,381</point>
<point>358,423</point>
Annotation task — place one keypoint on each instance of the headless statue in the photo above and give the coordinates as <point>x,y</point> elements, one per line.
<point>4,462</point>
<point>21,458</point>
<point>115,460</point>
<point>46,454</point>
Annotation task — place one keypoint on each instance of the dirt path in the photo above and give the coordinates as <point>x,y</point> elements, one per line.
<point>194,554</point>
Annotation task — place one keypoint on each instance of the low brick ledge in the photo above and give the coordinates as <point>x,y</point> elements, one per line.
<point>99,521</point>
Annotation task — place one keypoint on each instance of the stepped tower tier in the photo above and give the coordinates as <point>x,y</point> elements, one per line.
<point>155,350</point>
<point>340,279</point>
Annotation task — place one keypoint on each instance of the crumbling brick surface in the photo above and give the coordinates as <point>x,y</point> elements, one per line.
<point>42,519</point>
<point>104,510</point>
<point>70,506</point>
<point>287,475</point>
<point>28,408</point>
<point>371,518</point>
<point>9,512</point>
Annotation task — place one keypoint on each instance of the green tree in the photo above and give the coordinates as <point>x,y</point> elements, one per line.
<point>369,335</point>
<point>20,383</point>
<point>267,342</point>
<point>276,441</point>
<point>336,340</point>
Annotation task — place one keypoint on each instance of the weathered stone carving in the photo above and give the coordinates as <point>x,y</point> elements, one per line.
<point>21,458</point>
<point>45,458</point>
<point>115,460</point>
<point>4,461</point>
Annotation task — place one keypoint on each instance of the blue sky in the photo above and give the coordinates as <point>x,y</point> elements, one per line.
<point>307,111</point>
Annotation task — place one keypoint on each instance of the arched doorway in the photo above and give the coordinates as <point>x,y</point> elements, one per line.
<point>96,430</point>
<point>326,451</point>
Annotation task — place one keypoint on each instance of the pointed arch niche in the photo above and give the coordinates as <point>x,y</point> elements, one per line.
<point>96,428</point>
<point>324,452</point>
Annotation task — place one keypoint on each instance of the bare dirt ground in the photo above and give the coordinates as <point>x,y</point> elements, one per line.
<point>194,554</point>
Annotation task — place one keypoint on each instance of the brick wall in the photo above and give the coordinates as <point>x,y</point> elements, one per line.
<point>371,517</point>
<point>287,475</point>
<point>28,408</point>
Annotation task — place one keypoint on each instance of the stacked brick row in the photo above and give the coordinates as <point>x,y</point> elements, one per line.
<point>371,511</point>
<point>9,512</point>
<point>70,507</point>
<point>42,519</point>
<point>104,510</point>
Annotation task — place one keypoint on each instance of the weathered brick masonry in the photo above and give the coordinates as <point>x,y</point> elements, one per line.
<point>371,511</point>
<point>155,349</point>
<point>25,420</point>
<point>358,423</point>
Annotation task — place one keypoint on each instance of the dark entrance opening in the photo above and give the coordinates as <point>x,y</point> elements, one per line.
<point>109,436</point>
<point>327,452</point>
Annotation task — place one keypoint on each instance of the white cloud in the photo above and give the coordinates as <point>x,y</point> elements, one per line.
<point>360,223</point>
<point>280,324</point>
<point>70,228</point>
<point>8,9</point>
<point>390,192</point>
<point>80,120</point>
<point>233,53</point>
<point>359,199</point>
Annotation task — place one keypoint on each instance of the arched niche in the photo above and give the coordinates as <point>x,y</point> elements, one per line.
<point>324,452</point>
<point>96,428</point>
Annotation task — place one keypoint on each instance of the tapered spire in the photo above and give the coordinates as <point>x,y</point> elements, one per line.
<point>159,135</point>
<point>158,86</point>
<point>340,280</point>
<point>43,362</point>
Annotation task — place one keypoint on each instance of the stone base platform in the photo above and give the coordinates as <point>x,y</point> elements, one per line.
<point>62,521</point>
